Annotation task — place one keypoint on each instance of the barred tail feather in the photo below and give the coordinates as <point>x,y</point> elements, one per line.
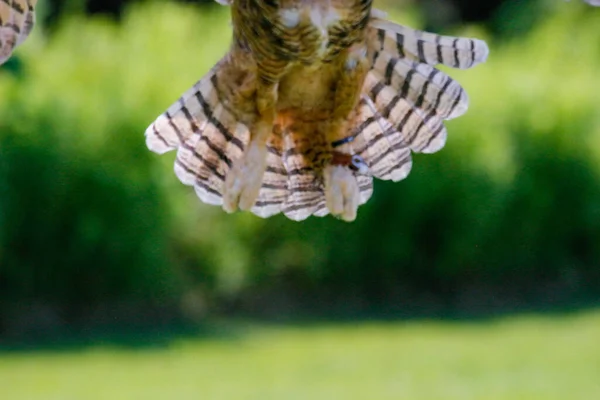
<point>417,129</point>
<point>381,146</point>
<point>365,186</point>
<point>191,114</point>
<point>292,185</point>
<point>425,47</point>
<point>208,138</point>
<point>204,159</point>
<point>422,85</point>
<point>274,190</point>
<point>305,190</point>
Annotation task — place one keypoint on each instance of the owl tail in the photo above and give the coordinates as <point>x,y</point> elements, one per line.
<point>405,99</point>
<point>17,18</point>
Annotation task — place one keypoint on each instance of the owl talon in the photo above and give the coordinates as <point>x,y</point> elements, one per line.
<point>244,180</point>
<point>342,195</point>
<point>353,161</point>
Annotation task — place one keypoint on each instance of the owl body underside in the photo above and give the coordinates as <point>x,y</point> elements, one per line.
<point>346,84</point>
<point>397,102</point>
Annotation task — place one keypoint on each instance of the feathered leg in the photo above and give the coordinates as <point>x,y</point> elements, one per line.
<point>244,180</point>
<point>342,194</point>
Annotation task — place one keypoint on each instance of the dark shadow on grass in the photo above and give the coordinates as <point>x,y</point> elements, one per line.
<point>147,336</point>
<point>133,338</point>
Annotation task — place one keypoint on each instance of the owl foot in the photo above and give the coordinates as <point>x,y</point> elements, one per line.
<point>342,195</point>
<point>244,179</point>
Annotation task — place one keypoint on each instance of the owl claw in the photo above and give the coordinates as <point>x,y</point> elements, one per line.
<point>244,180</point>
<point>342,195</point>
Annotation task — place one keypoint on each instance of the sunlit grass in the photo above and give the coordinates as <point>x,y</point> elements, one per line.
<point>515,358</point>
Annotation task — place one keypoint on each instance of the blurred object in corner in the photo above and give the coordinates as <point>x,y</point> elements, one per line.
<point>592,2</point>
<point>17,18</point>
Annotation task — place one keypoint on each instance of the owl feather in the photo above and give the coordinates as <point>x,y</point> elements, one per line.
<point>403,102</point>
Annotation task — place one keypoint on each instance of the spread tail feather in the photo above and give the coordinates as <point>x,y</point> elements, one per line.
<point>293,183</point>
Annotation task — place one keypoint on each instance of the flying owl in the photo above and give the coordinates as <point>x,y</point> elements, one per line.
<point>17,18</point>
<point>313,100</point>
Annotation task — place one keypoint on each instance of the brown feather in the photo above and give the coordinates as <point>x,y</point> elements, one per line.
<point>394,107</point>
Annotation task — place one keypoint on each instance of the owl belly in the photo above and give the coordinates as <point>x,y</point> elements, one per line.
<point>309,84</point>
<point>306,29</point>
<point>317,19</point>
<point>308,91</point>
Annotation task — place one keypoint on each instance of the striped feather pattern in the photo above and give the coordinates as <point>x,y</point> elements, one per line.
<point>404,101</point>
<point>208,138</point>
<point>274,190</point>
<point>305,196</point>
<point>411,94</point>
<point>422,85</point>
<point>378,142</point>
<point>17,18</point>
<point>425,47</point>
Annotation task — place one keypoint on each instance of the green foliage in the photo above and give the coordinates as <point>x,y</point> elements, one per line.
<point>508,211</point>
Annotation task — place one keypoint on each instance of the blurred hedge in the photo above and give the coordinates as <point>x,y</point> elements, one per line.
<point>507,214</point>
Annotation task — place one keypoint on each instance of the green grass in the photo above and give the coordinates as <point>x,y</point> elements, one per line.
<point>528,357</point>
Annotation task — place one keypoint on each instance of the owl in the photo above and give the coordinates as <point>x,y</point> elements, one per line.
<point>17,18</point>
<point>313,100</point>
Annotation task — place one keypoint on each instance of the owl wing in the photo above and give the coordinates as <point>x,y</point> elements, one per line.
<point>209,135</point>
<point>207,128</point>
<point>17,18</point>
<point>405,98</point>
<point>205,132</point>
<point>403,102</point>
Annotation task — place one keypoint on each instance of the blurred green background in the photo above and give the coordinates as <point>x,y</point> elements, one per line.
<point>101,245</point>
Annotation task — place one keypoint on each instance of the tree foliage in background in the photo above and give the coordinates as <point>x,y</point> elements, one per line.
<point>438,13</point>
<point>507,214</point>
